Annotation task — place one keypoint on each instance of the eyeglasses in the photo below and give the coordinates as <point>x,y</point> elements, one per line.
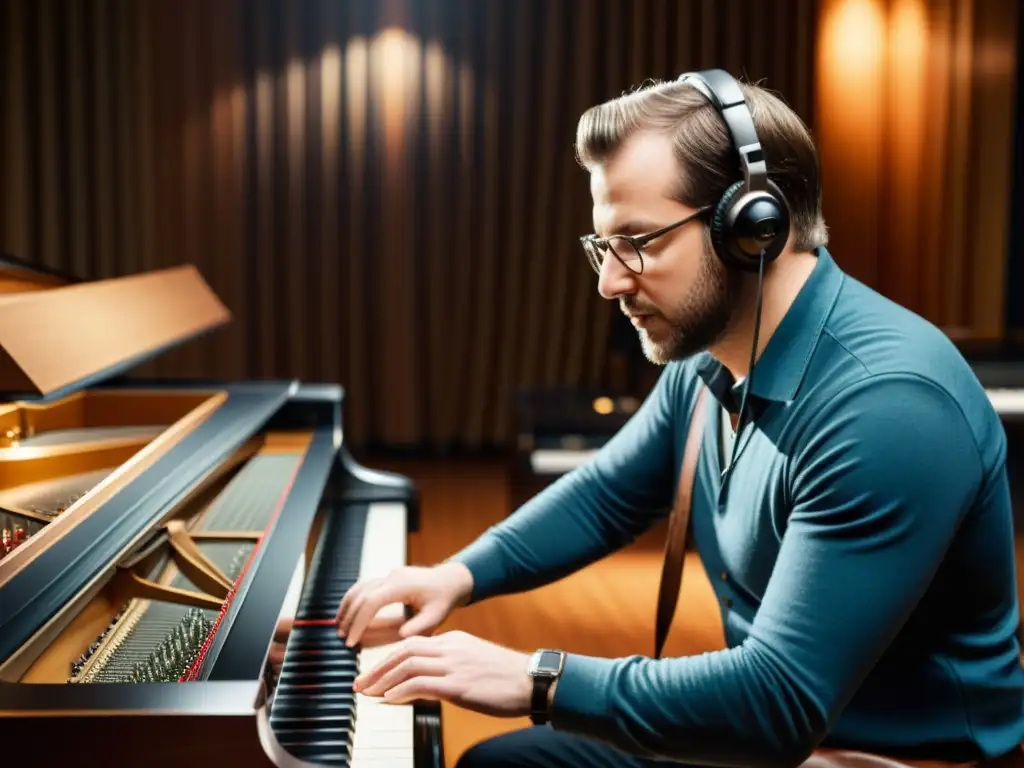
<point>628,249</point>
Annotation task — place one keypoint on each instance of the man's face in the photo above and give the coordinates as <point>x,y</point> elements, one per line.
<point>684,300</point>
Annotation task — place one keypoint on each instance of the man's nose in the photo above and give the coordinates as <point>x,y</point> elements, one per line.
<point>615,280</point>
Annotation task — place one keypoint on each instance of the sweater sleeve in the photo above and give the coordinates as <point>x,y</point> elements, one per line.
<point>589,512</point>
<point>878,489</point>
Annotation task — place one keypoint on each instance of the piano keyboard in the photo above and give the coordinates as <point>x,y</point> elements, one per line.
<point>315,715</point>
<point>555,461</point>
<point>1007,402</point>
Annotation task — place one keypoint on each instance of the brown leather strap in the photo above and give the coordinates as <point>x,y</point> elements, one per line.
<point>678,523</point>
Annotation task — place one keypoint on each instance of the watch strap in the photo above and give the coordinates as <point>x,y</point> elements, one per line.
<point>539,714</point>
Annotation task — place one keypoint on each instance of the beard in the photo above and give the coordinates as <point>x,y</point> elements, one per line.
<point>702,316</point>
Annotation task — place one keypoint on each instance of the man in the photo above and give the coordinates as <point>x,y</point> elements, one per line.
<point>860,518</point>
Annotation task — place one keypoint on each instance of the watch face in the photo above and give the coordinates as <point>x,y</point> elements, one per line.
<point>549,663</point>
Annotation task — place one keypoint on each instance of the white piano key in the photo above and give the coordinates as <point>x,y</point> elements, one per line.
<point>1007,401</point>
<point>384,732</point>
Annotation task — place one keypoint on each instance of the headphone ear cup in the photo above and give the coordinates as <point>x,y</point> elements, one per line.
<point>778,242</point>
<point>720,226</point>
<point>745,224</point>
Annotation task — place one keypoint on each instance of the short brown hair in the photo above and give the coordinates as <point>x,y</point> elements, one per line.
<point>705,151</point>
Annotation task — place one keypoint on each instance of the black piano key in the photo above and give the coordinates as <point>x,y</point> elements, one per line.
<point>313,631</point>
<point>308,643</point>
<point>290,736</point>
<point>300,654</point>
<point>315,678</point>
<point>315,701</point>
<point>327,697</point>
<point>308,715</point>
<point>312,667</point>
<point>326,609</point>
<point>321,755</point>
<point>311,651</point>
<point>339,702</point>
<point>326,639</point>
<point>322,655</point>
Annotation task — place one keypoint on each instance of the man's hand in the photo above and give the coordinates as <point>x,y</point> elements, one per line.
<point>430,594</point>
<point>455,667</point>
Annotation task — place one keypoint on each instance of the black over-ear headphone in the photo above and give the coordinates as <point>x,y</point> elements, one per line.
<point>750,223</point>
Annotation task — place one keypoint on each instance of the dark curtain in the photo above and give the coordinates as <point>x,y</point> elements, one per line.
<point>1015,277</point>
<point>915,128</point>
<point>384,193</point>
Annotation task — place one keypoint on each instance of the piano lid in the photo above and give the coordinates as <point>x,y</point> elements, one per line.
<point>59,335</point>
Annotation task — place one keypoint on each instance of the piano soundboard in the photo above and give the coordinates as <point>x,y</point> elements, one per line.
<point>158,535</point>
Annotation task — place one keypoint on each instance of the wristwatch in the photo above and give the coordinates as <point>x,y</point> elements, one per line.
<point>545,667</point>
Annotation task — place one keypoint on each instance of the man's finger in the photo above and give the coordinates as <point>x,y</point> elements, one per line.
<point>382,630</point>
<point>414,666</point>
<point>367,610</point>
<point>356,608</point>
<point>429,616</point>
<point>355,601</point>
<point>353,594</point>
<point>414,646</point>
<point>427,688</point>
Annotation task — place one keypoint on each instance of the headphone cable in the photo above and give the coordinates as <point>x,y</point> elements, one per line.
<point>753,355</point>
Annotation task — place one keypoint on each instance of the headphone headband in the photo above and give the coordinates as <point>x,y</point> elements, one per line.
<point>750,223</point>
<point>725,94</point>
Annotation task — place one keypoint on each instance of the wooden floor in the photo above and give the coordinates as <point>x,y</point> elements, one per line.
<point>606,610</point>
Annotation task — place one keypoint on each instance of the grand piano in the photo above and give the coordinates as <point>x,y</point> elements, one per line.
<point>157,535</point>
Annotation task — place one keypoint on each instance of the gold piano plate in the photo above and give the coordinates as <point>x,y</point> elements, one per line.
<point>86,431</point>
<point>71,456</point>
